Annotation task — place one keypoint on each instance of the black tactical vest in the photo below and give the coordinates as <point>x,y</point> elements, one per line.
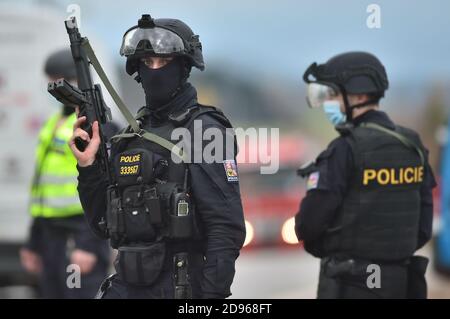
<point>379,217</point>
<point>150,199</point>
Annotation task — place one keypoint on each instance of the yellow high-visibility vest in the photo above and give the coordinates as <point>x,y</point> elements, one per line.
<point>54,188</point>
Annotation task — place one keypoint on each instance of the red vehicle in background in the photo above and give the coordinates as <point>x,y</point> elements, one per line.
<point>270,201</point>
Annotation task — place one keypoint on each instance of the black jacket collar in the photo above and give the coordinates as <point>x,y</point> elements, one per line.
<point>374,116</point>
<point>187,97</point>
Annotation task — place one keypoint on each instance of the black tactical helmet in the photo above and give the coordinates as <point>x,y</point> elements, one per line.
<point>161,37</point>
<point>352,72</point>
<point>60,65</point>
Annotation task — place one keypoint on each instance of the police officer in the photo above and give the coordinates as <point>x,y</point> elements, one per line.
<point>178,225</point>
<point>369,205</point>
<point>59,233</point>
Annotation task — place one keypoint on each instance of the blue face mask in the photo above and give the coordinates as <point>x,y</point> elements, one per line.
<point>333,112</point>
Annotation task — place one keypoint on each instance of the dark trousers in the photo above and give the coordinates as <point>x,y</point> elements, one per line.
<point>162,288</point>
<point>55,259</point>
<point>350,281</point>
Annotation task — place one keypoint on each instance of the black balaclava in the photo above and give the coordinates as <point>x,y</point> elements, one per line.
<point>161,85</point>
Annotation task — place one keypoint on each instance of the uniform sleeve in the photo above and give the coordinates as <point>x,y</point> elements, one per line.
<point>218,204</point>
<point>426,206</point>
<point>86,240</point>
<point>326,190</point>
<point>92,185</point>
<point>35,237</point>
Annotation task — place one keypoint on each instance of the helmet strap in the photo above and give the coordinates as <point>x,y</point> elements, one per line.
<point>369,102</point>
<point>348,108</point>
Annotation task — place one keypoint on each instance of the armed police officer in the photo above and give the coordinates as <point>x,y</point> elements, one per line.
<point>59,234</point>
<point>177,224</point>
<point>369,205</point>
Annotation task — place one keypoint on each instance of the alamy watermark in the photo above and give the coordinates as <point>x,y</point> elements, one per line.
<point>74,10</point>
<point>74,276</point>
<point>213,145</point>
<point>373,21</point>
<point>374,279</point>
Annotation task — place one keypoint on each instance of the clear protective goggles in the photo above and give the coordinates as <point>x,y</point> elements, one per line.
<point>162,41</point>
<point>318,93</point>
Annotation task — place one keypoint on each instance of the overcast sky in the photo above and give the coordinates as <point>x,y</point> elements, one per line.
<point>283,37</point>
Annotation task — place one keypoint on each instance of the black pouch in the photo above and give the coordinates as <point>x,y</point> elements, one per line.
<point>153,206</point>
<point>180,227</point>
<point>140,265</point>
<point>328,288</point>
<point>137,220</point>
<point>178,214</point>
<point>417,284</point>
<point>112,211</point>
<point>181,216</point>
<point>334,274</point>
<point>115,224</point>
<point>339,268</point>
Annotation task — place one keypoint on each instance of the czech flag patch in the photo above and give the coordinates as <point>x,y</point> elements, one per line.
<point>231,170</point>
<point>313,181</point>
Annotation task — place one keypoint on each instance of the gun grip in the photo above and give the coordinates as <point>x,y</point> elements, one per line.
<point>81,144</point>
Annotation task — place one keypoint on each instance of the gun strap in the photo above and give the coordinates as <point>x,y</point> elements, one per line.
<point>101,73</point>
<point>137,131</point>
<point>403,139</point>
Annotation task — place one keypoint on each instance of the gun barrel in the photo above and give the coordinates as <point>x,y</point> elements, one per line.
<point>79,56</point>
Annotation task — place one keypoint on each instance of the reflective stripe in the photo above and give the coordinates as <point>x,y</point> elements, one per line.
<point>47,212</point>
<point>58,179</point>
<point>56,202</point>
<point>55,190</point>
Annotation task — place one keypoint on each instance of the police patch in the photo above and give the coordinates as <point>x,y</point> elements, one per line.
<point>134,166</point>
<point>313,181</point>
<point>231,170</point>
<point>130,164</point>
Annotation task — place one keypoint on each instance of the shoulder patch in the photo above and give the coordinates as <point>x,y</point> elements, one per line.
<point>313,181</point>
<point>231,170</point>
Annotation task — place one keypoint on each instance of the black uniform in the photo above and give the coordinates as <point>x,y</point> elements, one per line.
<point>373,209</point>
<point>220,228</point>
<point>53,239</point>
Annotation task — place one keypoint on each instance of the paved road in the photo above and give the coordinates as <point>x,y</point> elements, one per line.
<point>275,273</point>
<point>279,273</point>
